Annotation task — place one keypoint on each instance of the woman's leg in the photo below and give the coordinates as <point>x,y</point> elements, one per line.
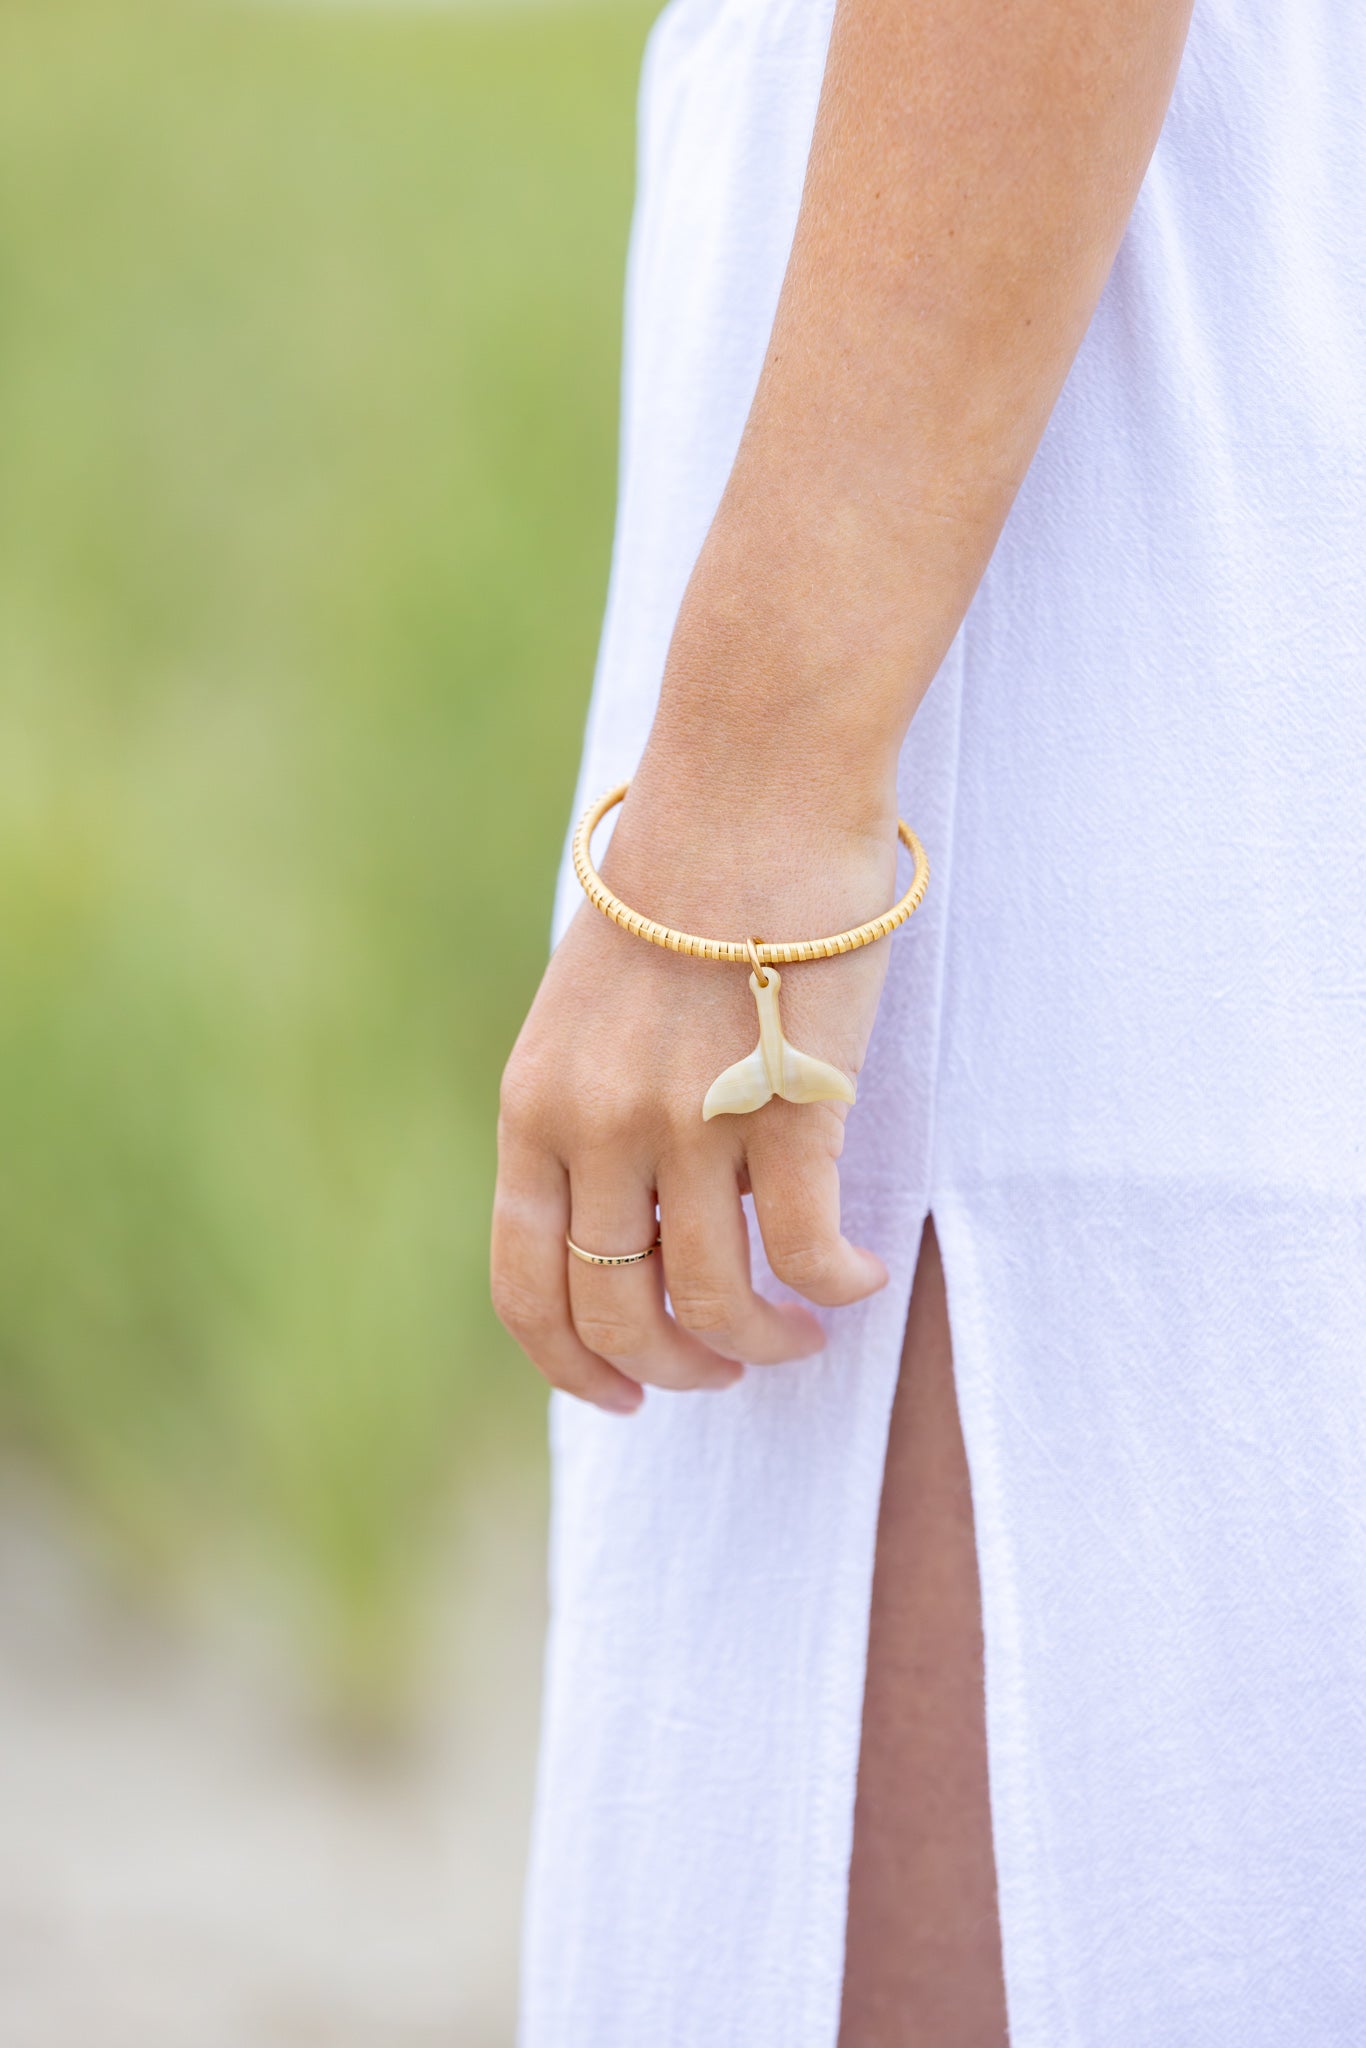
<point>923,1964</point>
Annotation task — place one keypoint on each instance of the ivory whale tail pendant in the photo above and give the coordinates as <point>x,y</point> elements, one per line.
<point>774,1067</point>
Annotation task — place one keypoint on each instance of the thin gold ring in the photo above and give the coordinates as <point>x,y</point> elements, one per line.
<point>612,1258</point>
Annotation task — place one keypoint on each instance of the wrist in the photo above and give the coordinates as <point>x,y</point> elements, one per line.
<point>715,834</point>
<point>754,710</point>
<point>785,670</point>
<point>755,761</point>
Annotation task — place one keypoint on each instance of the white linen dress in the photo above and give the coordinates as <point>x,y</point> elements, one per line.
<point>1122,1058</point>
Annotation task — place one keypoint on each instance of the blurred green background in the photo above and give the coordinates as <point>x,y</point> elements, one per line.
<point>308,356</point>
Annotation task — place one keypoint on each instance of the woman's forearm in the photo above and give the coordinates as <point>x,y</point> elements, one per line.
<point>973,167</point>
<point>972,170</point>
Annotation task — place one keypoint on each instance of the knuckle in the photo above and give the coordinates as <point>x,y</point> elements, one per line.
<point>610,1336</point>
<point>533,1093</point>
<point>680,1118</point>
<point>594,1120</point>
<point>518,1090</point>
<point>510,1220</point>
<point>707,1312</point>
<point>802,1265</point>
<point>525,1314</point>
<point>619,1115</point>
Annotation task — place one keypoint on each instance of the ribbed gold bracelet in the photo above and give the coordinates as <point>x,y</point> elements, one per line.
<point>740,952</point>
<point>775,1067</point>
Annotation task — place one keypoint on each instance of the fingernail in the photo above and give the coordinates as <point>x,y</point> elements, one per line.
<point>623,1400</point>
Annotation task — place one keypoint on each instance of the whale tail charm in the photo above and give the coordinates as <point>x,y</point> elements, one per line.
<point>774,1067</point>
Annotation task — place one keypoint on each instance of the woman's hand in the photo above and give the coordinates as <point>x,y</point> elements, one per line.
<point>602,1099</point>
<point>969,180</point>
<point>970,177</point>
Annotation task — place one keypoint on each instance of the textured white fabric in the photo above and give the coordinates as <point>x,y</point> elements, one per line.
<point>1133,1090</point>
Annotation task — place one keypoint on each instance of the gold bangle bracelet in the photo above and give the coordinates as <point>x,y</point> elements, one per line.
<point>775,1067</point>
<point>739,952</point>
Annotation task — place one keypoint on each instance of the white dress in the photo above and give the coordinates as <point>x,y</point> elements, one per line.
<point>1122,1058</point>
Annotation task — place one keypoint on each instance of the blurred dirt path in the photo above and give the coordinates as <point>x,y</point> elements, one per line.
<point>183,1866</point>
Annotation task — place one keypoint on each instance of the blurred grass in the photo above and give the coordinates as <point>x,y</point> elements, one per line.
<point>308,357</point>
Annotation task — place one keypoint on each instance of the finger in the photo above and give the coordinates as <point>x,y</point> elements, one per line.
<point>619,1311</point>
<point>529,1283</point>
<point>794,1174</point>
<point>706,1267</point>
